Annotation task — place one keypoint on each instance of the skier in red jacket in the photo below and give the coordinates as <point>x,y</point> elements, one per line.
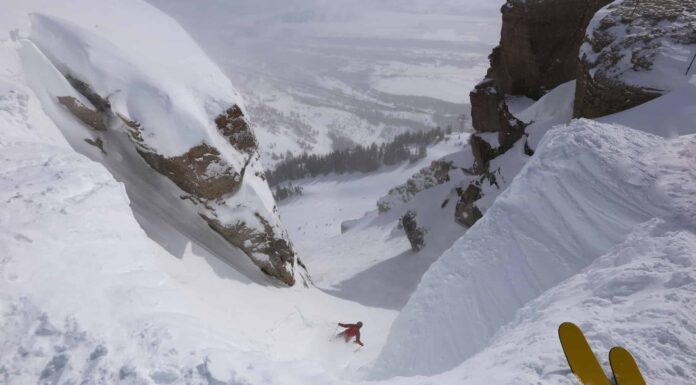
<point>352,330</point>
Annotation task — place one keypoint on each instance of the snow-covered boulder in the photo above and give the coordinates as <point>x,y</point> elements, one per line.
<point>587,187</point>
<point>634,51</point>
<point>151,84</point>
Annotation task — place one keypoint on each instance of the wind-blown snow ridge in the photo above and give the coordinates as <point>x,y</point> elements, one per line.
<point>639,296</point>
<point>586,188</point>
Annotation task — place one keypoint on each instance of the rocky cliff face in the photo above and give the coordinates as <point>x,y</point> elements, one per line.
<point>622,54</point>
<point>184,119</point>
<point>208,180</point>
<point>634,51</point>
<point>538,48</point>
<point>539,43</point>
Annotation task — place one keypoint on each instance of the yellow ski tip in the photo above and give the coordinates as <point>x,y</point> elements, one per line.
<point>626,371</point>
<point>582,361</point>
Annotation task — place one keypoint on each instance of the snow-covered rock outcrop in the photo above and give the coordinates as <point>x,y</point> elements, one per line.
<point>588,186</point>
<point>634,51</point>
<point>147,91</point>
<point>425,207</point>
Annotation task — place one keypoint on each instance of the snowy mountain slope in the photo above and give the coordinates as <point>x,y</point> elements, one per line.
<point>180,115</point>
<point>87,297</point>
<point>432,199</point>
<point>639,295</point>
<point>365,258</point>
<point>352,251</point>
<point>586,188</point>
<point>65,265</point>
<point>319,75</point>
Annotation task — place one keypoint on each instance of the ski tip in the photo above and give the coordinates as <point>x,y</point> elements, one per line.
<point>567,327</point>
<point>625,368</point>
<point>619,352</point>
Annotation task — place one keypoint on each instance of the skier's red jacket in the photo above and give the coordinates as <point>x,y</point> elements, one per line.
<point>352,330</point>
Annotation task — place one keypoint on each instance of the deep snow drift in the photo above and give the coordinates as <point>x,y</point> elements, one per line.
<point>639,295</point>
<point>586,188</point>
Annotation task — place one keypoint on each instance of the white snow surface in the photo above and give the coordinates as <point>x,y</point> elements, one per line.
<point>639,295</point>
<point>87,297</point>
<point>588,186</point>
<point>669,116</point>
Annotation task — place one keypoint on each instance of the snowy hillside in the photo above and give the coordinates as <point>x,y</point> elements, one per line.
<point>638,295</point>
<point>86,295</point>
<point>137,109</point>
<point>587,187</point>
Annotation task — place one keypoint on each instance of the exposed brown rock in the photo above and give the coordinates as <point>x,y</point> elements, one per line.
<point>539,44</point>
<point>98,143</point>
<point>466,213</point>
<point>599,96</point>
<point>207,177</point>
<point>482,152</point>
<point>254,243</point>
<point>538,50</point>
<point>490,113</point>
<point>88,116</point>
<point>200,171</point>
<point>235,128</point>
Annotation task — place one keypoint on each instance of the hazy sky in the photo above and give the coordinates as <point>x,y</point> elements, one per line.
<point>252,17</point>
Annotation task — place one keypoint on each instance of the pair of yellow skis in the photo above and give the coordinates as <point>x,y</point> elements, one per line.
<point>585,366</point>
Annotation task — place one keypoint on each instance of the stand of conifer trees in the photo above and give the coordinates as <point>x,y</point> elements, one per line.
<point>410,146</point>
